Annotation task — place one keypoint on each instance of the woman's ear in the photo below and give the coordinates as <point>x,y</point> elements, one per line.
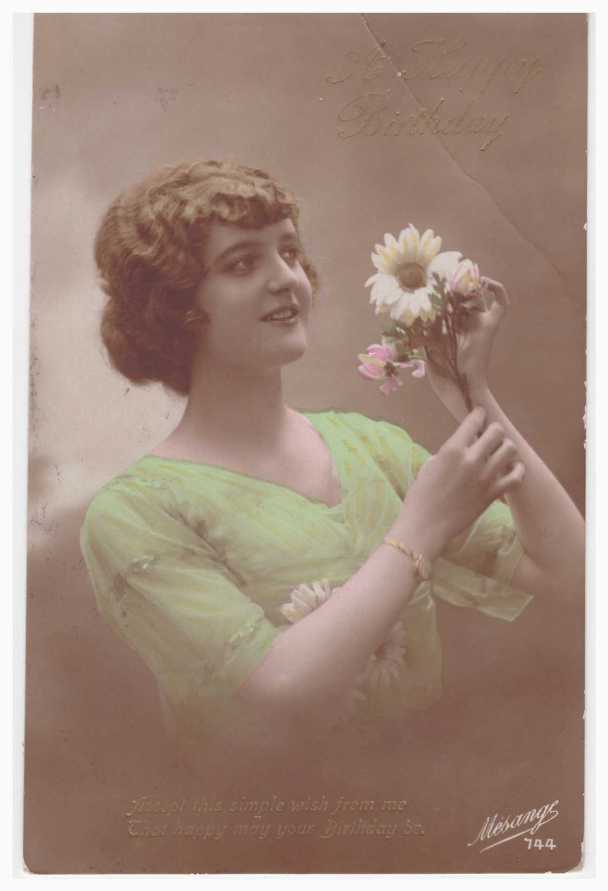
<point>193,316</point>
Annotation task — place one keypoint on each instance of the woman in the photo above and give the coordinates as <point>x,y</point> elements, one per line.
<point>196,550</point>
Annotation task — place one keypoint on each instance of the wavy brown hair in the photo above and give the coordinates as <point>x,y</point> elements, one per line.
<point>148,251</point>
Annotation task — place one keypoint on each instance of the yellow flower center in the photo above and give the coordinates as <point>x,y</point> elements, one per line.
<point>411,276</point>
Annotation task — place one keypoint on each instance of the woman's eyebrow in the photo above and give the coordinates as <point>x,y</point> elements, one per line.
<point>235,247</point>
<point>289,237</point>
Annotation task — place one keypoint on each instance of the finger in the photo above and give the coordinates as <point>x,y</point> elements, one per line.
<point>488,442</point>
<point>497,289</point>
<point>474,303</point>
<point>469,429</point>
<point>470,318</point>
<point>503,460</point>
<point>509,481</point>
<point>496,313</point>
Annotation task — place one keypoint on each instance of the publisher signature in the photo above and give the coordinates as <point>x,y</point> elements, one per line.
<point>496,827</point>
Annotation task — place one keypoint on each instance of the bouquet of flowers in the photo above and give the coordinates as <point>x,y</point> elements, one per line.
<point>429,297</point>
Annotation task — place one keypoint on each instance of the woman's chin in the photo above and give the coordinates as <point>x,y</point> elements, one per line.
<point>289,350</point>
<point>292,353</point>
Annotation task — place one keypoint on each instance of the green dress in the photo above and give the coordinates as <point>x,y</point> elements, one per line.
<point>191,564</point>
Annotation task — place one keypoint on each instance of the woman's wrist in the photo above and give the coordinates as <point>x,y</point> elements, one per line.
<point>479,393</point>
<point>422,538</point>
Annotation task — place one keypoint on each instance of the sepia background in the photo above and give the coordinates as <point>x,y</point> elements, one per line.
<point>332,106</point>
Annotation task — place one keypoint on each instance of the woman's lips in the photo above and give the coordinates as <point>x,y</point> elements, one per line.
<point>283,322</point>
<point>282,315</point>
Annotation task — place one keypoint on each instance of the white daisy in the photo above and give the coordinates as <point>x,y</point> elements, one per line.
<point>384,666</point>
<point>404,279</point>
<point>304,599</point>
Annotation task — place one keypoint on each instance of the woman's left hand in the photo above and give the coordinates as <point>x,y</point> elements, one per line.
<point>474,349</point>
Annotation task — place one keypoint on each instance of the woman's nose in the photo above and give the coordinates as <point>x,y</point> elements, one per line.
<point>281,274</point>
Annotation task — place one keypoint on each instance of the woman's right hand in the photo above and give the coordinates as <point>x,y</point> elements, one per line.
<point>455,485</point>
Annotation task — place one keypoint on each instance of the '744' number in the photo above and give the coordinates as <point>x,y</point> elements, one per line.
<point>540,843</point>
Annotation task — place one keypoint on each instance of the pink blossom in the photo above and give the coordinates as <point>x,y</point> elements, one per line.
<point>374,361</point>
<point>372,372</point>
<point>391,384</point>
<point>418,365</point>
<point>383,351</point>
<point>379,364</point>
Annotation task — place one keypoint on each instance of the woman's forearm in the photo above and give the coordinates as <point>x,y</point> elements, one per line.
<point>549,525</point>
<point>311,666</point>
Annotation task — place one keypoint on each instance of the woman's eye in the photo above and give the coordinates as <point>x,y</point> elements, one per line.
<point>243,264</point>
<point>292,254</point>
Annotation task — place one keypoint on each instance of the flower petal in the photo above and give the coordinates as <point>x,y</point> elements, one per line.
<point>401,311</point>
<point>380,263</point>
<point>430,245</point>
<point>410,244</point>
<point>391,242</point>
<point>427,236</point>
<point>421,299</point>
<point>385,290</point>
<point>420,368</point>
<point>412,305</point>
<point>373,361</point>
<point>465,278</point>
<point>371,372</point>
<point>382,351</point>
<point>390,385</point>
<point>444,264</point>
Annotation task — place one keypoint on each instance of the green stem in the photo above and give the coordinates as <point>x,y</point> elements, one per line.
<point>461,379</point>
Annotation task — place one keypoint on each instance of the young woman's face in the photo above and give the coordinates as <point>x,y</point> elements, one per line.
<point>256,295</point>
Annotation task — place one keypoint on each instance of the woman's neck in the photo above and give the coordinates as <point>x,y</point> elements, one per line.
<point>235,406</point>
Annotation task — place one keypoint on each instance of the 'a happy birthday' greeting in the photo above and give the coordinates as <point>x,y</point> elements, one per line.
<point>373,110</point>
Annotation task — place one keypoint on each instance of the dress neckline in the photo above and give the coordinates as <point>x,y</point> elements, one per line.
<point>311,417</point>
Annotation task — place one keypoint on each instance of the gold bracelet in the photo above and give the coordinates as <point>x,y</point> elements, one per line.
<point>422,566</point>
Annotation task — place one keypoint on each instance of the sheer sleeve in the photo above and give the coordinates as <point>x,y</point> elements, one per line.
<point>166,593</point>
<point>477,567</point>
